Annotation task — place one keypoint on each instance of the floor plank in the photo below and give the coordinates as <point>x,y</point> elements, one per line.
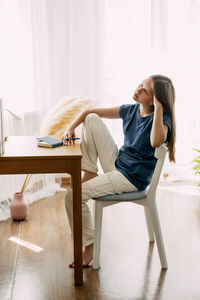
<point>130,266</point>
<point>38,274</point>
<point>8,257</point>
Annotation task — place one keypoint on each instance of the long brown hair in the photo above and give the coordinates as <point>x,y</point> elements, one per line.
<point>164,91</point>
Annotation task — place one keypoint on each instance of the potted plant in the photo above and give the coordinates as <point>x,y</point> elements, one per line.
<point>196,167</point>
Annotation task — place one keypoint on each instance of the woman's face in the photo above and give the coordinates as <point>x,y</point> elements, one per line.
<point>144,92</point>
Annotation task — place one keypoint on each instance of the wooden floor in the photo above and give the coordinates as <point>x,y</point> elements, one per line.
<point>130,266</point>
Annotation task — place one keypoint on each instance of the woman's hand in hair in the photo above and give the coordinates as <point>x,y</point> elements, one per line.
<point>156,103</point>
<point>159,130</point>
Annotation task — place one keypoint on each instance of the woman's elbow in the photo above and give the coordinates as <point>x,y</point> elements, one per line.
<point>158,143</point>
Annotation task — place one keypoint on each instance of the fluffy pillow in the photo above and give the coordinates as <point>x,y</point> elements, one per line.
<point>61,116</point>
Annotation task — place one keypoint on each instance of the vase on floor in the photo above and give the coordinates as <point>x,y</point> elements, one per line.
<point>19,208</point>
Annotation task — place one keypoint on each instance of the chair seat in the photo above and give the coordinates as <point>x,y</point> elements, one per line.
<point>129,196</point>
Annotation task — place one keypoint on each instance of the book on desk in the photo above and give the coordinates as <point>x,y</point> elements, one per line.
<point>48,142</point>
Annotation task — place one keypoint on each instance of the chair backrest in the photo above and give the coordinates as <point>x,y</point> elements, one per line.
<point>160,154</point>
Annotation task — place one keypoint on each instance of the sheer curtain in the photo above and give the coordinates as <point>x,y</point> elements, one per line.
<point>48,50</point>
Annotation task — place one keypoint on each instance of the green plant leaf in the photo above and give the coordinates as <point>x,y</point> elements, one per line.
<point>196,160</point>
<point>196,150</point>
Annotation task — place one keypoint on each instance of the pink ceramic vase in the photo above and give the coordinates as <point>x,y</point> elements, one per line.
<point>18,208</point>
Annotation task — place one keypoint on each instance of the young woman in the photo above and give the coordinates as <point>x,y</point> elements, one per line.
<point>146,125</point>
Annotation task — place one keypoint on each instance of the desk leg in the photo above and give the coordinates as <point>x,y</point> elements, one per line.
<point>77,223</point>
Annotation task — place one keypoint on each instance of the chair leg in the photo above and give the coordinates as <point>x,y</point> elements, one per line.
<point>97,234</point>
<point>158,234</point>
<point>149,224</point>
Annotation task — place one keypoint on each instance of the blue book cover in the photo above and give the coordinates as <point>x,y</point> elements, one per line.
<point>49,142</point>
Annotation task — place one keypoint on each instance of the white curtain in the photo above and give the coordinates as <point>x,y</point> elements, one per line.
<point>48,50</point>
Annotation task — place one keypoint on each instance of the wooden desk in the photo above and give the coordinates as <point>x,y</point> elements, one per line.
<point>22,156</point>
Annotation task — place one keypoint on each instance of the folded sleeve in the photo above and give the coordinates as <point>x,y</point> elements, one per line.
<point>167,120</point>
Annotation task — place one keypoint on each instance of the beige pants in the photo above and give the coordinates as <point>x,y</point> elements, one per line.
<point>97,142</point>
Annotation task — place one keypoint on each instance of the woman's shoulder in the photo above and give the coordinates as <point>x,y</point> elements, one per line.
<point>127,109</point>
<point>129,106</point>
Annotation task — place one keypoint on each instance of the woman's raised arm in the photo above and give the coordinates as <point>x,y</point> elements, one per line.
<point>109,113</point>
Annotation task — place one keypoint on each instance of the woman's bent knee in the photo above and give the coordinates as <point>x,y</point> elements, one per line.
<point>90,117</point>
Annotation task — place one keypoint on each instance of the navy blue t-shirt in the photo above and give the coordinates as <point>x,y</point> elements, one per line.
<point>136,159</point>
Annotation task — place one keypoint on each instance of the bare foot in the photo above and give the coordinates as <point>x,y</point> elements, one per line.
<point>87,256</point>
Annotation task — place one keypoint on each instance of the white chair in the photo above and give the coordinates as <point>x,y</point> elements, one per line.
<point>146,198</point>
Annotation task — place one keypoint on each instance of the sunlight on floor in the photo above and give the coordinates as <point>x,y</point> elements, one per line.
<point>25,244</point>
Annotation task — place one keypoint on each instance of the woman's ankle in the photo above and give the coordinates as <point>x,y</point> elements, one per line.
<point>88,175</point>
